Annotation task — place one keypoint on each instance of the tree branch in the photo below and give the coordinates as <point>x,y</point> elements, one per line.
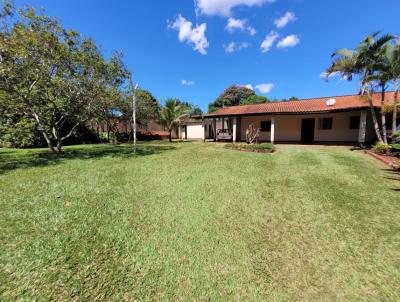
<point>59,121</point>
<point>70,133</point>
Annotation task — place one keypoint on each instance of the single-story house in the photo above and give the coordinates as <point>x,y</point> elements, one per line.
<point>338,119</point>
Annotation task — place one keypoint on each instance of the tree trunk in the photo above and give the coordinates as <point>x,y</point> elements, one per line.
<point>374,119</point>
<point>170,135</point>
<point>48,141</point>
<point>41,129</point>
<point>394,116</point>
<point>383,114</point>
<point>59,145</point>
<point>56,135</point>
<point>129,137</point>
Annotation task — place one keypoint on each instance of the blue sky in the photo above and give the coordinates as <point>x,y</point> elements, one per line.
<point>194,49</point>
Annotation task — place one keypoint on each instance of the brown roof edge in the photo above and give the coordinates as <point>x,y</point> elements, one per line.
<point>303,106</point>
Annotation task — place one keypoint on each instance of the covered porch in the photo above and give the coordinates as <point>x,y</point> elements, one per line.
<point>340,127</point>
<point>237,126</point>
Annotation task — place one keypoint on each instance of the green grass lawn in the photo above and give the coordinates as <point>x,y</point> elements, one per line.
<point>194,221</point>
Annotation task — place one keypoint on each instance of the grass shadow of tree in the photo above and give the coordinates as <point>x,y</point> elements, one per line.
<point>25,159</point>
<point>392,174</point>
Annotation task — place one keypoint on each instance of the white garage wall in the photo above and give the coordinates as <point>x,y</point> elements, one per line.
<point>195,131</point>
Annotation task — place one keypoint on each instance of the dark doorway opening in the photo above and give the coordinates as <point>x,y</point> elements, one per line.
<point>307,130</point>
<point>185,129</point>
<point>210,132</point>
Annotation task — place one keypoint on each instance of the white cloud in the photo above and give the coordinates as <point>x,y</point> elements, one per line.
<point>247,86</point>
<point>191,35</point>
<point>262,88</point>
<point>265,87</point>
<point>285,19</point>
<point>243,45</point>
<point>252,31</point>
<point>235,23</point>
<point>187,82</point>
<point>232,46</point>
<point>240,24</point>
<point>269,41</point>
<point>224,7</point>
<point>324,74</point>
<point>289,41</point>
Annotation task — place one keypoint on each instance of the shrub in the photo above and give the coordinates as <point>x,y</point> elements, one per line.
<point>262,146</point>
<point>395,148</point>
<point>396,136</point>
<point>381,148</point>
<point>19,134</point>
<point>267,147</point>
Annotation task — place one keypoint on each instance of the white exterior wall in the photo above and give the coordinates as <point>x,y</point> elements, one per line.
<point>195,131</point>
<point>256,121</point>
<point>288,127</point>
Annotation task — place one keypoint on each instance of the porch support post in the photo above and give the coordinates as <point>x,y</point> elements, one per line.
<point>180,132</point>
<point>272,130</point>
<point>204,129</point>
<point>215,128</point>
<point>234,130</point>
<point>363,127</point>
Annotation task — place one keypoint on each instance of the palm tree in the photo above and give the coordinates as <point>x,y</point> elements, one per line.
<point>172,114</point>
<point>364,61</point>
<point>393,73</point>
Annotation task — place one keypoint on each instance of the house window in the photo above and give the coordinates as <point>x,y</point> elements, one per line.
<point>354,122</point>
<point>266,126</point>
<point>325,123</point>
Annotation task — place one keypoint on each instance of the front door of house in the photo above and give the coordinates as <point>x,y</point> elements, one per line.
<point>307,130</point>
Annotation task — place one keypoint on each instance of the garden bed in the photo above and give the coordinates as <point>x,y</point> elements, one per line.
<point>390,160</point>
<point>258,148</point>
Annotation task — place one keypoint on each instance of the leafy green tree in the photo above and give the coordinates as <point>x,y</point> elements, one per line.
<point>195,111</point>
<point>292,98</point>
<point>18,132</point>
<point>53,76</point>
<point>147,107</point>
<point>254,99</point>
<point>190,108</point>
<point>231,96</point>
<point>365,62</point>
<point>172,114</point>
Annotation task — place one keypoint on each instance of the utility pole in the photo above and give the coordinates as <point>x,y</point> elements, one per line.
<point>134,115</point>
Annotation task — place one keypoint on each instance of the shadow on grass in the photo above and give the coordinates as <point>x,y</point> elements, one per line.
<point>392,175</point>
<point>25,159</point>
<point>358,148</point>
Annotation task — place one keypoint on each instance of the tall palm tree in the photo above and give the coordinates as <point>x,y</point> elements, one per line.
<point>172,114</point>
<point>387,69</point>
<point>363,62</point>
<point>393,73</point>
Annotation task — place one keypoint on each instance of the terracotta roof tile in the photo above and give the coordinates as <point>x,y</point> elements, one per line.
<point>347,102</point>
